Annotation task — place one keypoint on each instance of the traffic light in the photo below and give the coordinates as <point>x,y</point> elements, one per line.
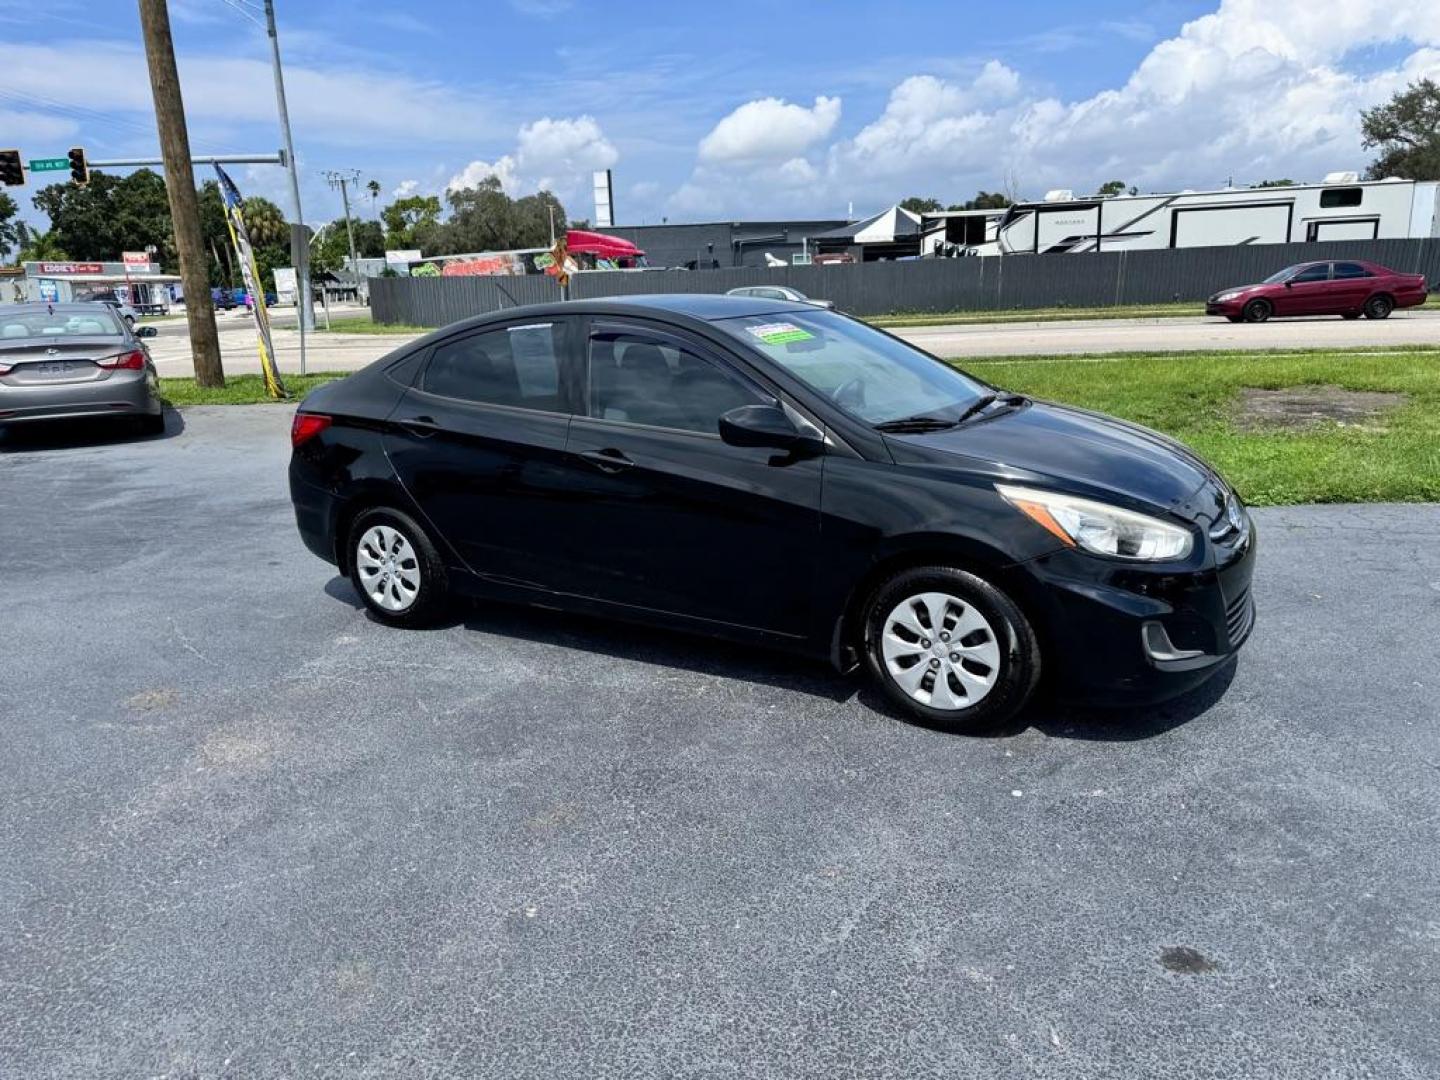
<point>12,170</point>
<point>79,170</point>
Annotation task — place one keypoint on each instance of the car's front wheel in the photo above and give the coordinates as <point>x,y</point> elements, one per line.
<point>396,569</point>
<point>1258,311</point>
<point>950,649</point>
<point>1379,307</point>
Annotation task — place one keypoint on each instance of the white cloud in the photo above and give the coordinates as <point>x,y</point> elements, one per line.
<point>770,130</point>
<point>1256,89</point>
<point>553,155</point>
<point>405,189</point>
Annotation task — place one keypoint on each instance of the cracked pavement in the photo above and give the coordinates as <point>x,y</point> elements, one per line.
<point>246,832</point>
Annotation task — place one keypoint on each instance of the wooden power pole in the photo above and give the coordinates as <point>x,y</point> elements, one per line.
<point>180,188</point>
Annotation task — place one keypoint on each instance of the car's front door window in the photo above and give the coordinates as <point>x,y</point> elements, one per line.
<point>1312,274</point>
<point>648,379</point>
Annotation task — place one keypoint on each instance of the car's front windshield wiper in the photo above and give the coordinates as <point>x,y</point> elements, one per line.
<point>914,425</point>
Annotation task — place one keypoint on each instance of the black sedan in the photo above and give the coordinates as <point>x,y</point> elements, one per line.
<point>769,471</point>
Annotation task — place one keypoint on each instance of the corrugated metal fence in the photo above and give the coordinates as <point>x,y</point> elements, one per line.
<point>929,285</point>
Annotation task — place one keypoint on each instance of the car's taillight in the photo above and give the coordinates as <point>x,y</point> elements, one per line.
<point>306,426</point>
<point>5,368</point>
<point>126,361</point>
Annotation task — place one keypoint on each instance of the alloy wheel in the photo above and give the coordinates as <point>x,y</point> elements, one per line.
<point>940,650</point>
<point>388,568</point>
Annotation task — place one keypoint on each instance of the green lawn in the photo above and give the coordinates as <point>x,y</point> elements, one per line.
<point>361,324</point>
<point>241,389</point>
<point>1050,314</point>
<point>1394,456</point>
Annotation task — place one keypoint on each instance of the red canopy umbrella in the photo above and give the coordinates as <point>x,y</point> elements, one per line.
<point>600,245</point>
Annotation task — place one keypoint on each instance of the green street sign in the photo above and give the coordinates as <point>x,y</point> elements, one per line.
<point>49,164</point>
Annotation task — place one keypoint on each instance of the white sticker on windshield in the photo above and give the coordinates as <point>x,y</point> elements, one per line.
<point>779,333</point>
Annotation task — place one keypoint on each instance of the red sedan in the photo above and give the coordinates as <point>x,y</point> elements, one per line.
<point>1349,289</point>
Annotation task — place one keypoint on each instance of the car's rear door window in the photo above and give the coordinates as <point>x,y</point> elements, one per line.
<point>658,381</point>
<point>515,366</point>
<point>1351,270</point>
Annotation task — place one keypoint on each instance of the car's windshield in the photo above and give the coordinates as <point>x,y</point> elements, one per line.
<point>98,322</point>
<point>1283,275</point>
<point>871,375</point>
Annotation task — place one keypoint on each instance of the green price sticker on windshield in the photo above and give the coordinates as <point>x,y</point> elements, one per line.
<point>780,333</point>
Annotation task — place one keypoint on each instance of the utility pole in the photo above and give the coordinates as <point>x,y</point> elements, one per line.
<point>299,241</point>
<point>339,179</point>
<point>180,189</point>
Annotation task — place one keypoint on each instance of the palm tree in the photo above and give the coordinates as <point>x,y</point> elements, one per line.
<point>36,246</point>
<point>264,222</point>
<point>373,187</point>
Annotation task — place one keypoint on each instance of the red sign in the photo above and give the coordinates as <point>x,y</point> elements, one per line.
<point>72,268</point>
<point>136,259</point>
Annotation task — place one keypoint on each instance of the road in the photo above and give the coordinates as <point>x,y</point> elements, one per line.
<point>245,831</point>
<point>1419,327</point>
<point>348,352</point>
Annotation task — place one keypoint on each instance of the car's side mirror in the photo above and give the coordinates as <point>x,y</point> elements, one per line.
<point>763,425</point>
<point>147,331</point>
<point>1289,284</point>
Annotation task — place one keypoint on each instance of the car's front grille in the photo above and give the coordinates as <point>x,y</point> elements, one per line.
<point>1239,615</point>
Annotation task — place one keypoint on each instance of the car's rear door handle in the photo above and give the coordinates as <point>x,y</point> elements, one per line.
<point>610,461</point>
<point>423,426</point>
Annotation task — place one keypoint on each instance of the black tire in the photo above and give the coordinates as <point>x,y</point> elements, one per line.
<point>432,596</point>
<point>1257,311</point>
<point>1350,315</point>
<point>1379,307</point>
<point>1019,651</point>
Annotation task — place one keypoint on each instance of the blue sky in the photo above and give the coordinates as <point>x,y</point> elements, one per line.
<point>709,111</point>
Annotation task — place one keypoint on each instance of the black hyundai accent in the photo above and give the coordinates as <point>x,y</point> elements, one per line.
<point>769,471</point>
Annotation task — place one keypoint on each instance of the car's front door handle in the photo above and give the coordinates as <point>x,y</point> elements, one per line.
<point>423,426</point>
<point>610,461</point>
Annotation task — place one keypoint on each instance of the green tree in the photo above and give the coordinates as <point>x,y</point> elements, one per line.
<point>918,205</point>
<point>1274,183</point>
<point>411,220</point>
<point>373,187</point>
<point>110,215</point>
<point>40,246</point>
<point>10,225</point>
<point>216,234</point>
<point>1406,130</point>
<point>985,200</point>
<point>332,248</point>
<point>265,223</point>
<point>1115,187</point>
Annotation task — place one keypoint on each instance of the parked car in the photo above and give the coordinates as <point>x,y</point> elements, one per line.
<point>1349,288</point>
<point>779,292</point>
<point>124,310</point>
<point>223,299</point>
<point>770,471</point>
<point>62,361</point>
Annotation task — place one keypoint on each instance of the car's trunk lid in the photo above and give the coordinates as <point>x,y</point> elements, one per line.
<point>46,361</point>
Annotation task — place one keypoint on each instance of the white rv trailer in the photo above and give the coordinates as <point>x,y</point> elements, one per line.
<point>1341,208</point>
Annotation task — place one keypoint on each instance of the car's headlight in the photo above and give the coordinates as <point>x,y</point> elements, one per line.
<point>1226,296</point>
<point>1098,527</point>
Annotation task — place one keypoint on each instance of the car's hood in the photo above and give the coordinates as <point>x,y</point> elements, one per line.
<point>1071,449</point>
<point>1237,288</point>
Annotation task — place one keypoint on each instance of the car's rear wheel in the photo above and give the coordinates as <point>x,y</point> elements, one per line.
<point>396,570</point>
<point>950,649</point>
<point>1379,307</point>
<point>1258,311</point>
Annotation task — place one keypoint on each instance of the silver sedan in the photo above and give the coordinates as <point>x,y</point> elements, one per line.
<point>779,292</point>
<point>62,361</point>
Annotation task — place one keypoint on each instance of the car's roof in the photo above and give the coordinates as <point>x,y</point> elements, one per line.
<point>79,307</point>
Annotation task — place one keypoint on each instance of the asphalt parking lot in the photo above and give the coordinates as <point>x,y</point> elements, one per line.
<point>246,832</point>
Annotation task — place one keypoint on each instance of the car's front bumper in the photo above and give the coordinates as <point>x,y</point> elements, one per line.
<point>122,393</point>
<point>1231,309</point>
<point>1131,633</point>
